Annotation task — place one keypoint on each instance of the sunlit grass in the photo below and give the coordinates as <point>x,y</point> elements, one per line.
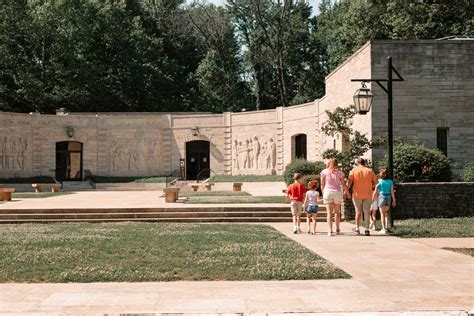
<point>85,252</point>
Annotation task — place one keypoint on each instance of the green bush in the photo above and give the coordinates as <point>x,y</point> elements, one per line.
<point>468,173</point>
<point>416,163</point>
<point>304,167</point>
<point>306,179</point>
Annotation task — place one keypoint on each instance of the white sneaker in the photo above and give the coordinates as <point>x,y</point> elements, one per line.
<point>329,234</point>
<point>382,232</point>
<point>299,230</point>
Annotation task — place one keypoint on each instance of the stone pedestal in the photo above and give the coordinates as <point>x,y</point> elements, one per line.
<point>209,186</point>
<point>6,194</point>
<point>37,187</point>
<point>237,187</point>
<point>171,194</point>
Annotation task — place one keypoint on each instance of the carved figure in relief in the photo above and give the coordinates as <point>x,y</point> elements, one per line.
<point>251,155</point>
<point>13,153</point>
<point>272,154</point>
<point>246,154</point>
<point>256,152</point>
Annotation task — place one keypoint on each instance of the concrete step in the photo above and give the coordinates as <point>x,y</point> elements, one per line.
<point>282,209</point>
<point>171,220</point>
<point>143,215</point>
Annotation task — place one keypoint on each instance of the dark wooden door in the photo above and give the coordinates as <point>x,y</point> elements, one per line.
<point>197,160</point>
<point>68,161</point>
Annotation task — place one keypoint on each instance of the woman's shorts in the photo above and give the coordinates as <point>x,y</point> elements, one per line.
<point>312,209</point>
<point>333,197</point>
<point>385,200</point>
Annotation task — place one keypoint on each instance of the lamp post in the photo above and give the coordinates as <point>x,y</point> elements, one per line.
<point>363,100</point>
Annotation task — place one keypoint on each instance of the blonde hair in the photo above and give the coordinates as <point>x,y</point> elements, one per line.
<point>332,164</point>
<point>383,174</point>
<point>296,176</point>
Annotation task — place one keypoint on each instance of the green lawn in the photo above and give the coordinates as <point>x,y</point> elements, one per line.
<point>465,251</point>
<point>249,178</point>
<point>84,252</point>
<point>235,199</point>
<point>153,179</point>
<point>213,193</point>
<point>39,195</point>
<point>433,227</point>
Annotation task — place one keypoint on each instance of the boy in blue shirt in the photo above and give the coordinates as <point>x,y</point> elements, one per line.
<point>386,197</point>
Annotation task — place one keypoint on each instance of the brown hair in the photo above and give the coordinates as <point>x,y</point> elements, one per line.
<point>383,174</point>
<point>296,176</point>
<point>313,185</point>
<point>332,163</point>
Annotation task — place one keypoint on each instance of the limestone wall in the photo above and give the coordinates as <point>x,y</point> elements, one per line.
<point>339,93</point>
<point>426,200</point>
<point>438,91</point>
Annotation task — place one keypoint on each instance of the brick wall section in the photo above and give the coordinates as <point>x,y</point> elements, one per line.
<point>425,200</point>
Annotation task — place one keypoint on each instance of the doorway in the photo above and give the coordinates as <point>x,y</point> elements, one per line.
<point>69,161</point>
<point>300,146</point>
<point>197,160</point>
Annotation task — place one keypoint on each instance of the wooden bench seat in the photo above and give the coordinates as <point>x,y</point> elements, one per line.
<point>237,186</point>
<point>195,187</point>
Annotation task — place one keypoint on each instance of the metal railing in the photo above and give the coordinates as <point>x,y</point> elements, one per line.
<point>204,174</point>
<point>172,177</point>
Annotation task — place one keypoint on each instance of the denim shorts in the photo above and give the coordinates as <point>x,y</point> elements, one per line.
<point>385,200</point>
<point>312,209</point>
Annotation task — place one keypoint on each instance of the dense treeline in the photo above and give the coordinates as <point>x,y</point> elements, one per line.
<point>164,55</point>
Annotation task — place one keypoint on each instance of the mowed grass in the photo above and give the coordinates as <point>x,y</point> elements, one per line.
<point>248,178</point>
<point>39,195</point>
<point>465,251</point>
<point>432,227</point>
<point>85,252</point>
<point>235,199</point>
<point>213,193</point>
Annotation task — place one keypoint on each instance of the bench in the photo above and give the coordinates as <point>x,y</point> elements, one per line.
<point>237,187</point>
<point>6,194</point>
<point>195,187</point>
<point>37,187</point>
<point>171,194</point>
<point>208,186</point>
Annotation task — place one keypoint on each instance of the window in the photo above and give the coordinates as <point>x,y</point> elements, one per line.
<point>300,146</point>
<point>442,139</point>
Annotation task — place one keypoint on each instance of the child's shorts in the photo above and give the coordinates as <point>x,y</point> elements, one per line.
<point>296,208</point>
<point>385,200</point>
<point>374,206</point>
<point>312,209</point>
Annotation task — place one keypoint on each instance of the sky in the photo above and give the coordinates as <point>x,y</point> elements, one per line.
<point>313,3</point>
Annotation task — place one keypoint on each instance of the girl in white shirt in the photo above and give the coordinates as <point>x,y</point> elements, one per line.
<point>311,206</point>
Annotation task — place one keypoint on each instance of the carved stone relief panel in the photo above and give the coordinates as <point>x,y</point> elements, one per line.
<point>14,153</point>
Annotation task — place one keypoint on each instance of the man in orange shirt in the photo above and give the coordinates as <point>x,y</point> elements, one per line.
<point>296,192</point>
<point>364,180</point>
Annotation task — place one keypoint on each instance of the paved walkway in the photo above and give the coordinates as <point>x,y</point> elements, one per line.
<point>389,274</point>
<point>446,242</point>
<point>107,199</point>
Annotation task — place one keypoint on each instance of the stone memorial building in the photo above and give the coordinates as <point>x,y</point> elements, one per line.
<point>434,105</point>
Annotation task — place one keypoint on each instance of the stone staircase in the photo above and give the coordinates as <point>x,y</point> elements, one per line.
<point>209,214</point>
<point>73,186</point>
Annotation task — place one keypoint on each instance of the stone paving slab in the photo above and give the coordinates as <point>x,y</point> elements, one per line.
<point>389,275</point>
<point>112,199</point>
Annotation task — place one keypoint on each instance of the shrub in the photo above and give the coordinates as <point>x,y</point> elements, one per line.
<point>305,179</point>
<point>414,163</point>
<point>468,173</point>
<point>304,167</point>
